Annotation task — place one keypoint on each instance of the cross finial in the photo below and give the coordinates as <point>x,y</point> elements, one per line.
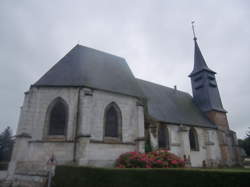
<point>193,30</point>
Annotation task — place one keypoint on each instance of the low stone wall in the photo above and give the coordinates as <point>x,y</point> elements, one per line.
<point>29,181</point>
<point>25,174</point>
<point>3,175</point>
<point>104,154</point>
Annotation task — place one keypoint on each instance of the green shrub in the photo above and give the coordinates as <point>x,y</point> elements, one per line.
<point>161,158</point>
<point>72,176</point>
<point>148,146</point>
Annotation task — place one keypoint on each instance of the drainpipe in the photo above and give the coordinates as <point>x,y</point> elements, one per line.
<point>77,125</point>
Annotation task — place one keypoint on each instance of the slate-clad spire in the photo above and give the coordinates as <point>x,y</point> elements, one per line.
<point>199,61</point>
<point>205,91</point>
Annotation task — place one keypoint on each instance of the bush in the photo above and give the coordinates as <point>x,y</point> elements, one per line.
<point>73,176</point>
<point>157,159</point>
<point>133,160</point>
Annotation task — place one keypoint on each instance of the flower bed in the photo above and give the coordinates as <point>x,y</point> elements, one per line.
<point>161,158</point>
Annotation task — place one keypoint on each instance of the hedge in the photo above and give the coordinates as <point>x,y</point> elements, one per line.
<point>73,176</point>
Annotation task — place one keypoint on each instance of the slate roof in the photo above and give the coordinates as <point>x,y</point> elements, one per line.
<point>204,85</point>
<point>199,61</point>
<point>88,67</point>
<point>172,106</point>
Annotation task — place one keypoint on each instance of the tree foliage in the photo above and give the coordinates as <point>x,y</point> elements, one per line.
<point>6,144</point>
<point>245,143</point>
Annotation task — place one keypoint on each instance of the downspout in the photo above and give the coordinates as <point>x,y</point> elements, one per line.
<point>77,126</point>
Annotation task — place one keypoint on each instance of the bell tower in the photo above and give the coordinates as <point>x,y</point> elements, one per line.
<point>204,86</point>
<point>207,97</point>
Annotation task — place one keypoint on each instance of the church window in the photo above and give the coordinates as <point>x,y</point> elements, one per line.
<point>112,124</point>
<point>193,140</point>
<point>163,137</point>
<point>57,118</point>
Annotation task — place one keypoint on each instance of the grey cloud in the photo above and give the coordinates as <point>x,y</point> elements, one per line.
<point>154,36</point>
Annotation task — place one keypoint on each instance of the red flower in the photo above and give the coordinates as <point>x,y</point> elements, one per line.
<point>161,158</point>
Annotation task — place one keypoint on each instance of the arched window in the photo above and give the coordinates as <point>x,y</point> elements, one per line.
<point>58,116</point>
<point>163,137</point>
<point>112,121</point>
<point>193,140</point>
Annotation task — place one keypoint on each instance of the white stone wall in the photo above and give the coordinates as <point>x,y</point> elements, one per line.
<point>129,112</point>
<point>42,151</point>
<point>104,154</point>
<point>213,147</point>
<point>93,150</point>
<point>175,140</point>
<point>208,144</point>
<point>198,156</point>
<point>34,110</point>
<point>3,176</point>
<point>91,104</point>
<point>92,122</point>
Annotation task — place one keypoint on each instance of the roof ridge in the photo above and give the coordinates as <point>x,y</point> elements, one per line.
<point>163,86</point>
<point>99,51</point>
<point>171,107</point>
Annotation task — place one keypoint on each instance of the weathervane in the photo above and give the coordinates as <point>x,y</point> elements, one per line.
<point>193,30</point>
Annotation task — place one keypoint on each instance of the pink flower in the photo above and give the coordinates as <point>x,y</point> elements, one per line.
<point>174,162</point>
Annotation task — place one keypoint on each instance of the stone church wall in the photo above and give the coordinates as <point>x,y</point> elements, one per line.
<point>129,113</point>
<point>35,148</point>
<point>41,151</point>
<point>209,150</point>
<point>102,152</point>
<point>92,148</point>
<point>33,113</point>
<point>228,141</point>
<point>104,155</point>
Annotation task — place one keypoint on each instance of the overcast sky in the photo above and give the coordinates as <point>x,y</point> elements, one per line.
<point>154,36</point>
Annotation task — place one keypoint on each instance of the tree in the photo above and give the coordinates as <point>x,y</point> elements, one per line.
<point>248,133</point>
<point>245,143</point>
<point>6,144</point>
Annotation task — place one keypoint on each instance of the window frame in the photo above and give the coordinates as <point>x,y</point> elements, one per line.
<point>193,139</point>
<point>119,123</point>
<point>56,137</point>
<point>165,129</point>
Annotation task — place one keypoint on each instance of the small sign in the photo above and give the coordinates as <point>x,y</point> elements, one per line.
<point>52,161</point>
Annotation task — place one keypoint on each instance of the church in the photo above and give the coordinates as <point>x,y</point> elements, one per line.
<point>89,108</point>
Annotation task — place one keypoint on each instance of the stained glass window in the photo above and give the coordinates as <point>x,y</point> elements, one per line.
<point>58,119</point>
<point>193,140</point>
<point>112,121</point>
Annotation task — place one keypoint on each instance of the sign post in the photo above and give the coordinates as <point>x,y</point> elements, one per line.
<point>51,163</point>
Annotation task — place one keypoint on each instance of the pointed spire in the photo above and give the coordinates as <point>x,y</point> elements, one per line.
<point>204,86</point>
<point>199,61</point>
<point>193,30</point>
